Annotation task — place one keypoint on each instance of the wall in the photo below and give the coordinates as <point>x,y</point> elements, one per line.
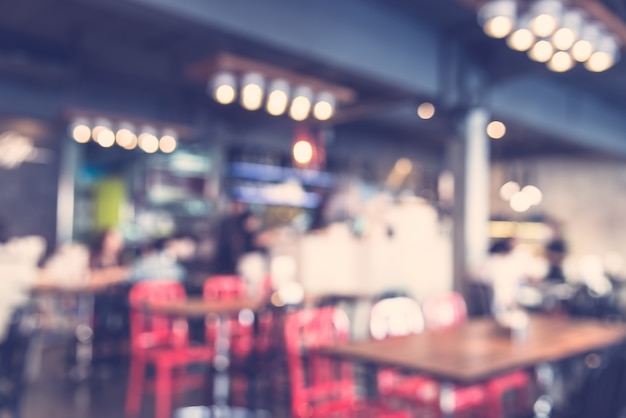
<point>585,195</point>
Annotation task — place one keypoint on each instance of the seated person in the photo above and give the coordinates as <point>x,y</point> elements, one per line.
<point>158,262</point>
<point>555,252</point>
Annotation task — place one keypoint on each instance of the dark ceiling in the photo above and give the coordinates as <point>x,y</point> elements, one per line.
<point>66,41</point>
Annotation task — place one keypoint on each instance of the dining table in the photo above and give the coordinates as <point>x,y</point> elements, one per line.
<point>481,349</point>
<point>219,310</point>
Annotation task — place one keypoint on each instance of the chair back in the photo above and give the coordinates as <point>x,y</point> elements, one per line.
<point>314,378</point>
<point>225,287</point>
<point>150,330</point>
<point>444,311</point>
<point>240,328</point>
<point>395,317</point>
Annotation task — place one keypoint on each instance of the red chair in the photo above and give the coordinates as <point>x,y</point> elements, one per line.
<point>321,386</point>
<point>240,327</point>
<point>448,310</point>
<point>162,342</point>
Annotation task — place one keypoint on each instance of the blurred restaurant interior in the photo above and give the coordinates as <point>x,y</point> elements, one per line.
<point>355,208</point>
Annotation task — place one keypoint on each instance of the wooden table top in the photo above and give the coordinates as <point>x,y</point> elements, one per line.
<point>198,307</point>
<point>479,349</point>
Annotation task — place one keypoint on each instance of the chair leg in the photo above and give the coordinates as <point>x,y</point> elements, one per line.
<point>163,392</point>
<point>134,391</point>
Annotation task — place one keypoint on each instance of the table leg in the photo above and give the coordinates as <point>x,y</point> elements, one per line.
<point>446,399</point>
<point>221,383</point>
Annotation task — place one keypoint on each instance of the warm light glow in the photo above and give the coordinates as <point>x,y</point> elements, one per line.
<point>223,88</point>
<point>544,25</point>
<point>225,94</point>
<point>496,129</point>
<point>324,109</point>
<point>125,138</point>
<point>582,50</point>
<point>301,104</point>
<point>426,110</point>
<point>564,38</point>
<point>252,96</point>
<point>106,138</point>
<point>148,143</point>
<point>541,52</point>
<point>167,144</point>
<point>600,61</point>
<point>520,202</point>
<point>403,166</point>
<point>561,61</point>
<point>278,99</point>
<point>508,190</point>
<point>521,40</point>
<point>81,133</point>
<point>499,26</point>
<point>302,152</point>
<point>533,194</point>
<point>95,132</point>
<point>497,17</point>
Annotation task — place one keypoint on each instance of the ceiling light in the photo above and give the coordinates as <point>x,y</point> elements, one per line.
<point>561,61</point>
<point>278,98</point>
<point>81,132</point>
<point>585,46</point>
<point>508,190</point>
<point>541,52</point>
<point>223,88</point>
<point>106,138</point>
<point>570,30</point>
<point>426,110</point>
<point>301,104</point>
<point>168,143</point>
<point>533,194</point>
<point>520,202</point>
<point>496,129</point>
<point>125,138</point>
<point>522,39</point>
<point>324,108</point>
<point>101,125</point>
<point>497,17</point>
<point>148,141</point>
<point>605,56</point>
<point>546,16</point>
<point>302,152</point>
<point>252,91</point>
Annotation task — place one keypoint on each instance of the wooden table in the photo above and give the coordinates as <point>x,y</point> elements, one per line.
<point>479,350</point>
<point>199,308</point>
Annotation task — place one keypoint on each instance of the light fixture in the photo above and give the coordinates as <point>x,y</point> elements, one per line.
<point>520,202</point>
<point>125,137</point>
<point>80,131</point>
<point>148,141</point>
<point>168,143</point>
<point>278,98</point>
<point>585,46</point>
<point>496,129</point>
<point>497,17</point>
<point>426,110</point>
<point>533,194</point>
<point>252,91</point>
<point>522,38</point>
<point>542,51</point>
<point>605,56</point>
<point>570,30</point>
<point>105,138</point>
<point>508,190</point>
<point>223,88</point>
<point>546,15</point>
<point>301,104</point>
<point>324,108</point>
<point>561,61</point>
<point>302,152</point>
<point>100,125</point>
